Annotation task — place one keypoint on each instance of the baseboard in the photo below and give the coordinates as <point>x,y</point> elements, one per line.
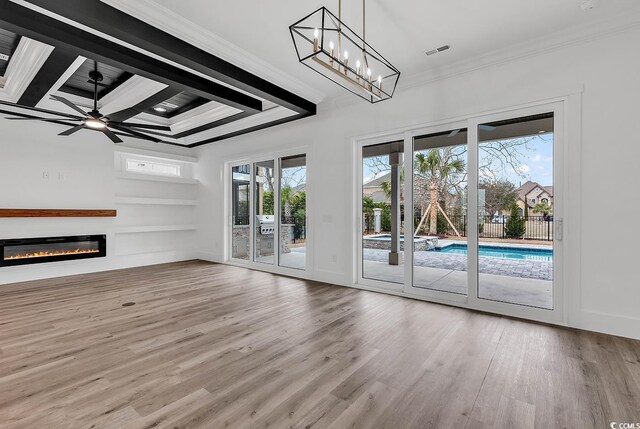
<point>622,326</point>
<point>211,257</point>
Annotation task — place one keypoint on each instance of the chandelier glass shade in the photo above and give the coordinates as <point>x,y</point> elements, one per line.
<point>325,44</point>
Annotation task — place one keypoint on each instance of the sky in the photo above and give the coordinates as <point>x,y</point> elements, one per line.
<point>536,164</point>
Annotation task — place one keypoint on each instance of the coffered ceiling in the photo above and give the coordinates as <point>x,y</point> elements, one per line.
<point>148,76</point>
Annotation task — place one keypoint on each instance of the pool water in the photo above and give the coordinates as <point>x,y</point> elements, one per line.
<point>502,252</point>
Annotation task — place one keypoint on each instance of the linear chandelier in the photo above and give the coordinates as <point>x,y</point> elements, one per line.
<point>328,46</point>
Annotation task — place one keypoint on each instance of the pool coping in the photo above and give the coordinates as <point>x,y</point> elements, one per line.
<point>447,243</point>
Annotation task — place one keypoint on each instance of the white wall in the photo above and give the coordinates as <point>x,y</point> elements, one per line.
<point>82,174</point>
<point>605,293</point>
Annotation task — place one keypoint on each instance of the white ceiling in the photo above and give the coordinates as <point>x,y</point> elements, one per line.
<point>402,30</point>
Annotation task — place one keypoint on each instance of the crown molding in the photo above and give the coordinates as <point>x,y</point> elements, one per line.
<point>555,41</point>
<point>175,24</point>
<point>25,63</point>
<point>574,36</point>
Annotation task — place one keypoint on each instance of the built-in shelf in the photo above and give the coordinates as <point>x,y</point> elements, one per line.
<point>155,201</point>
<point>57,213</point>
<point>151,178</point>
<point>154,228</point>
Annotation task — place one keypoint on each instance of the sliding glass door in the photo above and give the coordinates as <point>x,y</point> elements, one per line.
<point>482,200</point>
<point>240,212</point>
<point>440,211</point>
<point>382,210</point>
<point>516,209</point>
<point>264,209</point>
<point>268,211</point>
<point>293,211</point>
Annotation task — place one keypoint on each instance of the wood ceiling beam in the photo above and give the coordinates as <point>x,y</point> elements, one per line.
<point>155,99</point>
<point>32,24</point>
<point>109,20</point>
<point>54,67</point>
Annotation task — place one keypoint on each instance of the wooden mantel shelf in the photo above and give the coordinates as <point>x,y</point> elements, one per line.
<point>57,213</point>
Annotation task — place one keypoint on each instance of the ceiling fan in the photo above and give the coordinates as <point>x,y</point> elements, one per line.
<point>94,119</point>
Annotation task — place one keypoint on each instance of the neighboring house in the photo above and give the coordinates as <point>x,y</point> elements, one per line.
<point>531,193</point>
<point>374,189</point>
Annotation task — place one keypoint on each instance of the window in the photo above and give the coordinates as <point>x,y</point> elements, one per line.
<point>150,167</point>
<point>545,200</point>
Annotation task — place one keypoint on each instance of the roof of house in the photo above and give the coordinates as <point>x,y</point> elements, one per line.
<point>377,182</point>
<point>529,186</point>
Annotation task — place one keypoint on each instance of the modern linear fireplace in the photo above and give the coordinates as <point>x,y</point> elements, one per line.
<point>21,251</point>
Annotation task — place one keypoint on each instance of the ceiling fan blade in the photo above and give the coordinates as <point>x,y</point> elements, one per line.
<point>72,130</point>
<point>144,126</point>
<point>114,138</point>
<point>70,104</point>
<point>135,133</point>
<point>487,127</point>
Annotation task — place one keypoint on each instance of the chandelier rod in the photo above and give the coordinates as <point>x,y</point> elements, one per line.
<point>339,27</point>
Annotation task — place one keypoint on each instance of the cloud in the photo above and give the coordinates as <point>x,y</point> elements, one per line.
<point>523,169</point>
<point>539,158</point>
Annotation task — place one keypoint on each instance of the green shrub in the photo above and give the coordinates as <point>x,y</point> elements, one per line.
<point>515,227</point>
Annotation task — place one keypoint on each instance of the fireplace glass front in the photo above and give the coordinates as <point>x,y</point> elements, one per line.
<point>23,251</point>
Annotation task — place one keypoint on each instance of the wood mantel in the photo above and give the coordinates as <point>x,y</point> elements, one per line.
<point>57,213</point>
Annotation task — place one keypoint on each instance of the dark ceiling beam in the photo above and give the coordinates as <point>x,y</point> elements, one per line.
<point>29,23</point>
<point>145,104</point>
<point>109,20</point>
<point>250,130</point>
<point>56,64</point>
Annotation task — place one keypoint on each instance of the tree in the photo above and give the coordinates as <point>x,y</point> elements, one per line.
<point>439,168</point>
<point>515,227</point>
<point>498,195</point>
<point>286,199</point>
<point>543,208</point>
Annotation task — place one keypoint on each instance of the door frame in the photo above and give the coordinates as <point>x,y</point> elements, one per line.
<point>251,160</point>
<point>562,124</point>
<point>409,137</point>
<point>556,314</point>
<point>229,211</point>
<point>360,279</point>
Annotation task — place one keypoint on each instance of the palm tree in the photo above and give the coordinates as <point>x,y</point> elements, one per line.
<point>386,185</point>
<point>437,170</point>
<point>543,208</point>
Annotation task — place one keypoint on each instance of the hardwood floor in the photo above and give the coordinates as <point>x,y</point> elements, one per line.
<point>213,346</point>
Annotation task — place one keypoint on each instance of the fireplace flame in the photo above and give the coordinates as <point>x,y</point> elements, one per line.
<point>50,253</point>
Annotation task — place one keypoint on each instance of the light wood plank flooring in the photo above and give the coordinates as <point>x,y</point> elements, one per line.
<point>214,346</point>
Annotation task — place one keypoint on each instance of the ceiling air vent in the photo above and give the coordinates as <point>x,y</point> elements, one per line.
<point>4,57</point>
<point>437,50</point>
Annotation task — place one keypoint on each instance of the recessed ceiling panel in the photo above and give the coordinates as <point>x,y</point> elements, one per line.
<point>8,44</point>
<point>79,83</point>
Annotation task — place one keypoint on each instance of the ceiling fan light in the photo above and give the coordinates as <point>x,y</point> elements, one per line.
<point>95,124</point>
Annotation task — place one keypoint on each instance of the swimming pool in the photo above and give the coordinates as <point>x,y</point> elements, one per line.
<point>527,253</point>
